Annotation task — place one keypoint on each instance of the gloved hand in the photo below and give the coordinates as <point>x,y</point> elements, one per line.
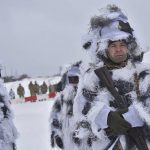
<point>117,123</point>
<point>59,142</point>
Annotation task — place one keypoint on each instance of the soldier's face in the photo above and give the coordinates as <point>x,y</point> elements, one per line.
<point>117,51</point>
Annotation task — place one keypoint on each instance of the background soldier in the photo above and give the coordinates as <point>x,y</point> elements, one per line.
<point>43,88</point>
<point>51,88</point>
<point>36,88</point>
<point>31,88</point>
<point>20,91</point>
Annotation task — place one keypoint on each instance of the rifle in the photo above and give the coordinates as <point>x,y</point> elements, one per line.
<point>134,133</point>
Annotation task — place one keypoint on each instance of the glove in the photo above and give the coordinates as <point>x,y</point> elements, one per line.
<point>59,142</point>
<point>117,123</point>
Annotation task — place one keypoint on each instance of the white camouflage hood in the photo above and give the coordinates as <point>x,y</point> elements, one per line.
<point>111,25</point>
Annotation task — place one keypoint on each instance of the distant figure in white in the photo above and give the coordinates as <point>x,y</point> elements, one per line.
<point>12,94</point>
<point>61,118</point>
<point>8,132</point>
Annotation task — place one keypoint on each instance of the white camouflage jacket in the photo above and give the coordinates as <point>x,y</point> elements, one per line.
<point>94,102</point>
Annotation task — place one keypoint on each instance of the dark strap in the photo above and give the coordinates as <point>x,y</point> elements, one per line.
<point>136,81</point>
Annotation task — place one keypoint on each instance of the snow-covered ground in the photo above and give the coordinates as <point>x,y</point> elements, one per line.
<point>31,120</point>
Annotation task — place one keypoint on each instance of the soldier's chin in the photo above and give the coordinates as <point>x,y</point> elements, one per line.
<point>119,59</point>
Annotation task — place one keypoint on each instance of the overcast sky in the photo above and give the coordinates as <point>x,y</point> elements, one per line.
<point>38,36</point>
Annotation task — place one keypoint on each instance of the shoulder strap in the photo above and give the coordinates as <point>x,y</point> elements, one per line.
<point>136,81</point>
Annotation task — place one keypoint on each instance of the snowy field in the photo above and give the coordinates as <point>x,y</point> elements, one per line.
<point>31,120</point>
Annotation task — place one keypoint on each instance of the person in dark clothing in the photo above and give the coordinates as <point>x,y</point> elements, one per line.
<point>20,91</point>
<point>44,88</point>
<point>31,88</point>
<point>36,88</point>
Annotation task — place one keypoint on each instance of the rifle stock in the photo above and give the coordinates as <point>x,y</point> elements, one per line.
<point>134,133</point>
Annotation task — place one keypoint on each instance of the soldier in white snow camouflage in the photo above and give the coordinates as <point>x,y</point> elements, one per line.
<point>61,119</point>
<point>8,132</point>
<point>100,124</point>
